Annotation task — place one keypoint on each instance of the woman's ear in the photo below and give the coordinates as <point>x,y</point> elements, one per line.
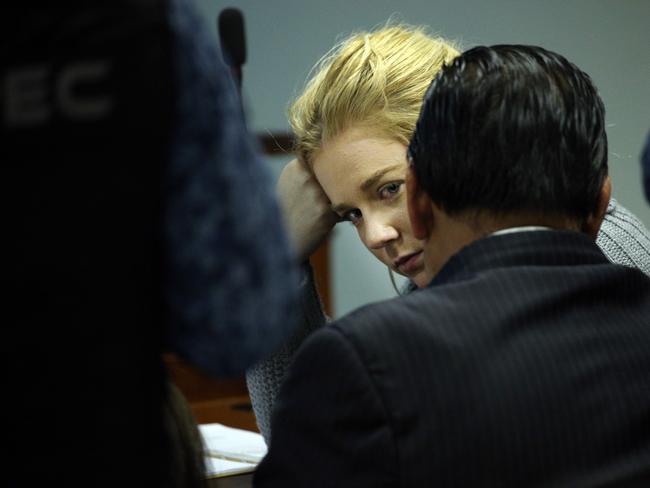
<point>419,207</point>
<point>594,221</point>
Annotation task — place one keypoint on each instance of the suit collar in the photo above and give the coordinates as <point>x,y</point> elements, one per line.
<point>543,248</point>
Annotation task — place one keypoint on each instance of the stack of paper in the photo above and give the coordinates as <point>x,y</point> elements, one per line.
<point>217,467</point>
<point>231,451</point>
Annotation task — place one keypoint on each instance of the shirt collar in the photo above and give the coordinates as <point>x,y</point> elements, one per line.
<point>526,228</point>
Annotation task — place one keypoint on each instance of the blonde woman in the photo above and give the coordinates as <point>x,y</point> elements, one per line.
<point>352,125</point>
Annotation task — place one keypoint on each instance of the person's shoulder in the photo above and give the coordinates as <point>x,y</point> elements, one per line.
<point>618,215</point>
<point>624,239</point>
<point>390,322</point>
<point>386,312</point>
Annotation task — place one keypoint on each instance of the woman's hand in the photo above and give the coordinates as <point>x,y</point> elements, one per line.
<point>305,207</point>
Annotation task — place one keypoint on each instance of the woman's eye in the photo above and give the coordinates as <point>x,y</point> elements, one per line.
<point>353,216</point>
<point>390,190</point>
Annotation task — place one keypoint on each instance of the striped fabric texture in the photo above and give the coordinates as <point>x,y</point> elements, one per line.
<point>524,363</point>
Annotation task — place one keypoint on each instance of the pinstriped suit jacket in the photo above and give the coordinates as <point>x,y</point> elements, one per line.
<point>526,362</point>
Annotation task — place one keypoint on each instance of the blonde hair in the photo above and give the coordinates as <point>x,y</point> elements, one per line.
<point>373,79</point>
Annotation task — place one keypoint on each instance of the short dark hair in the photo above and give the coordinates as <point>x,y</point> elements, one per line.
<point>511,128</point>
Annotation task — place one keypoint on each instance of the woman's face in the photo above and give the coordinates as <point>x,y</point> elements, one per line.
<point>363,176</point>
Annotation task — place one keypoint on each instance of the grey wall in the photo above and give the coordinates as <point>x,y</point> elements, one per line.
<point>609,39</point>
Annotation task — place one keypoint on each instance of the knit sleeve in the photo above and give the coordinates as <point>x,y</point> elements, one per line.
<point>624,239</point>
<point>264,379</point>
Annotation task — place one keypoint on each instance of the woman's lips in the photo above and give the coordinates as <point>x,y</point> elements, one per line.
<point>409,263</point>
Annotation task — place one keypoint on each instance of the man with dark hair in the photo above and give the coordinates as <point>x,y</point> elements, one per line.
<point>510,136</point>
<point>525,361</point>
<point>539,138</point>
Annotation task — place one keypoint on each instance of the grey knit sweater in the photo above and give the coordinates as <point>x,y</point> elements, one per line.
<point>622,237</point>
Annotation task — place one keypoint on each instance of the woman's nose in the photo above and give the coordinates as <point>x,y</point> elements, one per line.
<point>379,233</point>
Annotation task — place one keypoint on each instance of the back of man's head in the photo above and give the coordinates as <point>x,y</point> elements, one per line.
<point>512,129</point>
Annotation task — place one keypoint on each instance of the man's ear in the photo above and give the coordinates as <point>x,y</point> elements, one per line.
<point>419,206</point>
<point>594,221</point>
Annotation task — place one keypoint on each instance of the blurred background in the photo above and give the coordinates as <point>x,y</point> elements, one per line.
<point>608,39</point>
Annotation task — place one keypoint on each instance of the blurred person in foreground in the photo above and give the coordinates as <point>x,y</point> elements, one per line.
<point>138,219</point>
<point>524,362</point>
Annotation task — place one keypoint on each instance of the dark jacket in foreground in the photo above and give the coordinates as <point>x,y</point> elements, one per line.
<point>526,362</point>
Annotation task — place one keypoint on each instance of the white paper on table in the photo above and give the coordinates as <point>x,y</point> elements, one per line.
<point>233,444</point>
<point>217,467</point>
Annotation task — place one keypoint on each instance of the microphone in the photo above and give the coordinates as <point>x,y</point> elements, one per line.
<point>230,25</point>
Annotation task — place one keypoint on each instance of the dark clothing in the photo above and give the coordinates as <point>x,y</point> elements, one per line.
<point>524,363</point>
<point>137,216</point>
